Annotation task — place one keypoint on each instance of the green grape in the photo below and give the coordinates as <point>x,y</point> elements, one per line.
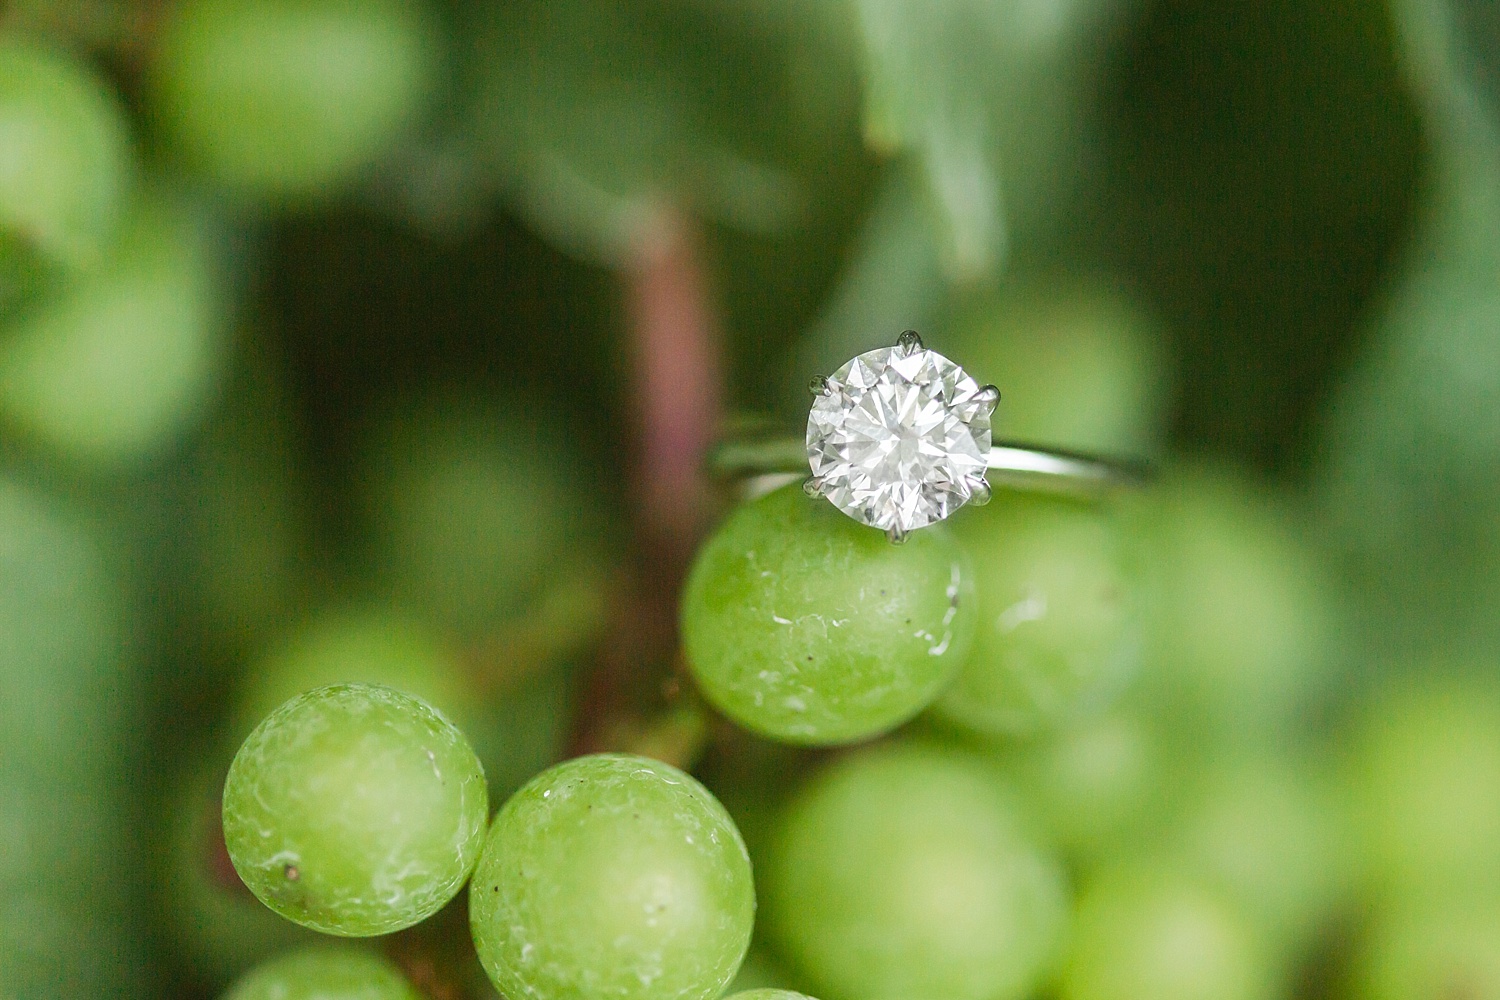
<point>355,810</point>
<point>477,520</point>
<point>289,98</point>
<point>324,972</point>
<point>768,995</point>
<point>124,360</point>
<point>1095,784</point>
<point>1146,933</point>
<point>1058,635</point>
<point>1424,776</point>
<point>215,926</point>
<point>1237,609</point>
<point>1265,831</point>
<point>1432,949</point>
<point>904,872</point>
<point>804,625</point>
<point>612,875</point>
<point>65,168</point>
<point>1077,364</point>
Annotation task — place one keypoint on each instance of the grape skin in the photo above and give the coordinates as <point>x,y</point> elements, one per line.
<point>324,972</point>
<point>612,875</point>
<point>1144,932</point>
<point>808,627</point>
<point>1423,774</point>
<point>1265,832</point>
<point>905,872</point>
<point>1237,609</point>
<point>355,810</point>
<point>1096,784</point>
<point>1058,634</point>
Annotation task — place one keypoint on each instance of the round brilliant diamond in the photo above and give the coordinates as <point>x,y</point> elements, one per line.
<point>899,437</point>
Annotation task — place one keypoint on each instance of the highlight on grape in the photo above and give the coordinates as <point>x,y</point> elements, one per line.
<point>447,552</point>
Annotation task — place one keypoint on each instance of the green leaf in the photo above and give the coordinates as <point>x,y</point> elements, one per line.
<point>951,83</point>
<point>589,113</point>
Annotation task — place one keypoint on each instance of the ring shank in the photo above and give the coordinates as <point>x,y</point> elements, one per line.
<point>1048,470</point>
<point>1012,465</point>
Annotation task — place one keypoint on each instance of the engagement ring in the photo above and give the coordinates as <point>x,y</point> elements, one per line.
<point>899,438</point>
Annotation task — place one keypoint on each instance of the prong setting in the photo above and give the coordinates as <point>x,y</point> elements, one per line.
<point>873,458</point>
<point>819,385</point>
<point>979,490</point>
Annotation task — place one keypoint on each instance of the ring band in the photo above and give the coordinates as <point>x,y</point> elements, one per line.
<point>1012,465</point>
<point>899,438</point>
<point>1024,467</point>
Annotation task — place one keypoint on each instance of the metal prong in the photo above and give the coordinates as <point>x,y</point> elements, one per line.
<point>814,487</point>
<point>896,535</point>
<point>909,341</point>
<point>979,490</point>
<point>989,397</point>
<point>819,385</point>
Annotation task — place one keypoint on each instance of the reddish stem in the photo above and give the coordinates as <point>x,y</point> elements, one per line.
<point>675,389</point>
<point>676,380</point>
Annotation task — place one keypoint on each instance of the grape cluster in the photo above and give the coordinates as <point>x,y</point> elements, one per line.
<point>933,864</point>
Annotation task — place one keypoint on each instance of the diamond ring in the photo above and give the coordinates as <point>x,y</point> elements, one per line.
<point>899,438</point>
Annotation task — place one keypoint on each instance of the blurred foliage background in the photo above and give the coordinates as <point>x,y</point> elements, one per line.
<point>391,332</point>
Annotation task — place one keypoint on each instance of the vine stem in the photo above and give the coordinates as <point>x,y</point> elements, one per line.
<point>676,379</point>
<point>636,699</point>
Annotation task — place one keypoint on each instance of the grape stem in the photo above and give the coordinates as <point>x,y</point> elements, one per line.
<point>675,389</point>
<point>676,379</point>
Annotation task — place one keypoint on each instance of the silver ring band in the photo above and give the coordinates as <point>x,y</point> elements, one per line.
<point>1012,465</point>
<point>1024,467</point>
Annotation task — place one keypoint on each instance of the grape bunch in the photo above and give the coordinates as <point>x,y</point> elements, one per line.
<point>372,626</point>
